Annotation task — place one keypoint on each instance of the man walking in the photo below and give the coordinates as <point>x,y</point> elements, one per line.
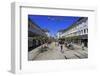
<point>61,46</point>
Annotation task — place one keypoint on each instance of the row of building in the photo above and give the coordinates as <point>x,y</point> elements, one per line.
<point>77,32</point>
<point>36,35</point>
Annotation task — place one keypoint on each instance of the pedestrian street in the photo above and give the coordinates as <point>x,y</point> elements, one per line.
<point>54,52</point>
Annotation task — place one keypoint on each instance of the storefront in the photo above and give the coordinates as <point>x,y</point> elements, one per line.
<point>84,39</point>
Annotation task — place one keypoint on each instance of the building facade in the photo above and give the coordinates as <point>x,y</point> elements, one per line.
<point>60,34</point>
<point>36,35</point>
<point>77,32</point>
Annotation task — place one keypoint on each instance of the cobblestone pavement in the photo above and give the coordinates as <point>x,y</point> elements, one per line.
<point>54,52</point>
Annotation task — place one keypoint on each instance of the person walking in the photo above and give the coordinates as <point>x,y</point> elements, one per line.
<point>82,46</point>
<point>61,46</point>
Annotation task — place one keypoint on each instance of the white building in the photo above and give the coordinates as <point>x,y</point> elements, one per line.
<point>59,34</point>
<point>48,34</point>
<point>78,29</point>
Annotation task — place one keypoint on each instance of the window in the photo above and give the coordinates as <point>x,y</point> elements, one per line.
<point>84,30</point>
<point>87,30</point>
<point>81,31</point>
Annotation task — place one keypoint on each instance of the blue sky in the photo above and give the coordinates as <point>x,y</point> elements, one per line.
<point>53,23</point>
